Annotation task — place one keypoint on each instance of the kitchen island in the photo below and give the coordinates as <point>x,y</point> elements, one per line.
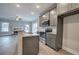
<point>28,44</point>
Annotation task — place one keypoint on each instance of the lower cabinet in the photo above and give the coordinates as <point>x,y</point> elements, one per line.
<point>30,45</point>
<point>52,41</point>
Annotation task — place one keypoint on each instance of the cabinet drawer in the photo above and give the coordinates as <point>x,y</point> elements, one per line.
<point>51,36</point>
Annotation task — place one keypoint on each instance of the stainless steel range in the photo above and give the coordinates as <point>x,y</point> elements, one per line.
<point>43,35</point>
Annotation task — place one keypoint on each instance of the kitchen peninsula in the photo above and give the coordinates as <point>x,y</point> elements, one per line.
<point>28,44</point>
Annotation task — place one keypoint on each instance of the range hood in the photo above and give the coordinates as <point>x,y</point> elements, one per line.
<point>46,23</point>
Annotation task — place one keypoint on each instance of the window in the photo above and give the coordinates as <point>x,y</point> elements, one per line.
<point>27,28</point>
<point>5,27</point>
<point>34,27</point>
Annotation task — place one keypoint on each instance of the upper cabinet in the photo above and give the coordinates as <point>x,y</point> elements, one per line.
<point>74,5</point>
<point>63,7</point>
<point>53,17</point>
<point>50,17</point>
<point>45,17</point>
<point>44,20</point>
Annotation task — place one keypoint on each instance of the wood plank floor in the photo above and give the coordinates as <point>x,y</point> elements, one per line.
<point>45,50</point>
<point>8,46</point>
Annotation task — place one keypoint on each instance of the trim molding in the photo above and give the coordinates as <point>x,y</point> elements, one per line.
<point>71,51</point>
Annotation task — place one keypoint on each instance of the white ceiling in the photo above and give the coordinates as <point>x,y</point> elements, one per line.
<point>10,11</point>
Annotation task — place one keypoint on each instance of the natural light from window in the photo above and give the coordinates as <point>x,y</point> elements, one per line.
<point>34,27</point>
<point>27,28</point>
<point>5,27</point>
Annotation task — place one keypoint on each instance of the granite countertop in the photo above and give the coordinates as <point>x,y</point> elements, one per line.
<point>51,33</point>
<point>27,35</point>
<point>24,34</point>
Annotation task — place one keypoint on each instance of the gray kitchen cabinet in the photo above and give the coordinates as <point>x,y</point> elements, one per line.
<point>53,17</point>
<point>30,45</point>
<point>43,18</point>
<point>63,7</point>
<point>74,5</point>
<point>55,40</point>
<point>51,40</point>
<point>40,21</point>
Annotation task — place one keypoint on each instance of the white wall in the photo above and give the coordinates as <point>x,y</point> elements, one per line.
<point>71,34</point>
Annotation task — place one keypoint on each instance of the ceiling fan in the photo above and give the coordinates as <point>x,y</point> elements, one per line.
<point>18,18</point>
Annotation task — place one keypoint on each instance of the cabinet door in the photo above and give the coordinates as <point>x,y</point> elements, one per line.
<point>51,40</point>
<point>48,40</point>
<point>40,21</point>
<point>75,5</point>
<point>53,17</point>
<point>30,45</point>
<point>63,7</point>
<point>43,19</point>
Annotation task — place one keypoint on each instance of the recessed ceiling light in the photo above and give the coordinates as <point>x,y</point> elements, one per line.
<point>17,5</point>
<point>37,6</point>
<point>52,12</point>
<point>32,13</point>
<point>44,16</point>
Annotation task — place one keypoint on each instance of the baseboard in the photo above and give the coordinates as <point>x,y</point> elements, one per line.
<point>6,35</point>
<point>71,51</point>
